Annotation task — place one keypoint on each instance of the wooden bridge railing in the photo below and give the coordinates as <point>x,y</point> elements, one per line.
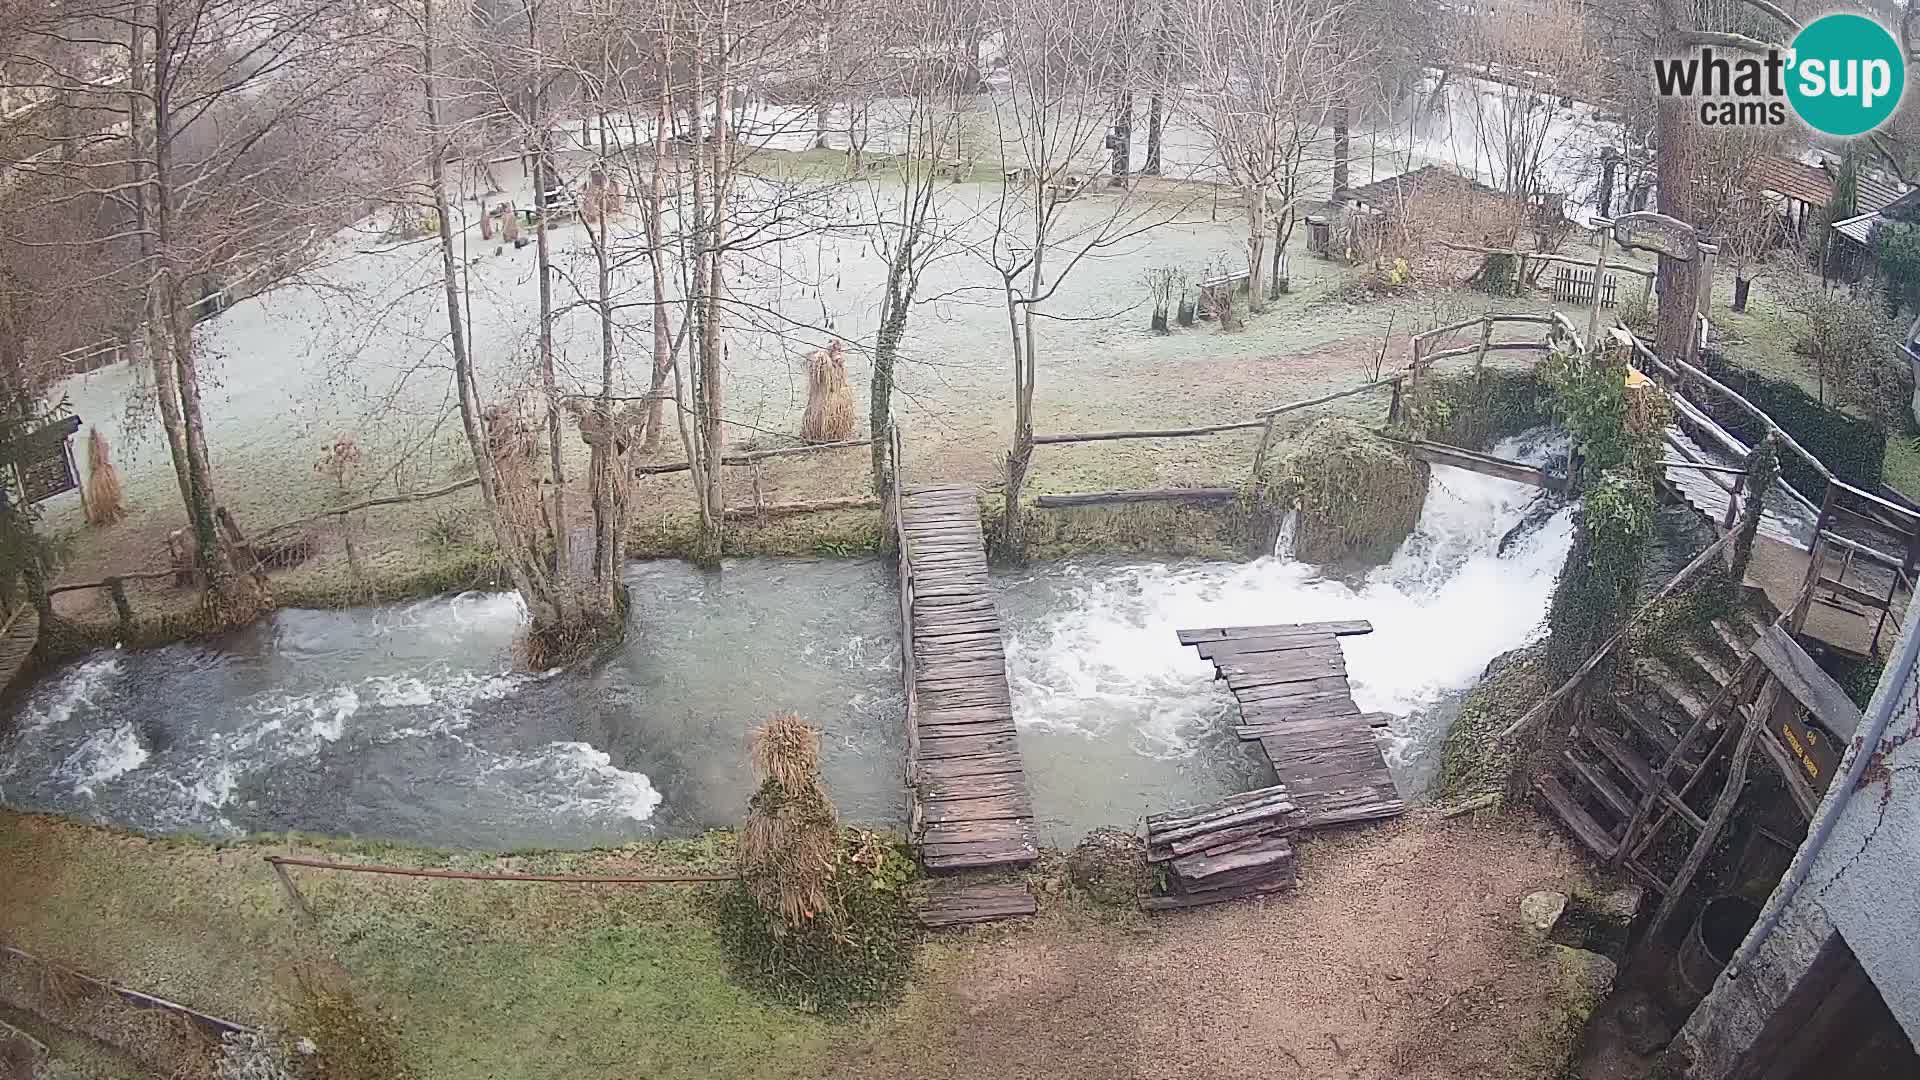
<point>1841,502</point>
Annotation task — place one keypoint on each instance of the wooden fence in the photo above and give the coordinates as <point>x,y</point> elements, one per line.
<point>1574,285</point>
<point>1400,382</point>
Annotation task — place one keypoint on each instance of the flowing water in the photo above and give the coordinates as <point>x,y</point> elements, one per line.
<point>407,722</point>
<point>1117,719</point>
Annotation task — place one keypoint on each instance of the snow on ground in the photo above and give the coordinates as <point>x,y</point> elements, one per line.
<point>358,346</point>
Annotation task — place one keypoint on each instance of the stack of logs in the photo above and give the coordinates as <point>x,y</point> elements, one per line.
<point>1240,846</point>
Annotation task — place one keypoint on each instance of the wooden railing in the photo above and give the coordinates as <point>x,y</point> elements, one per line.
<point>1841,502</point>
<point>1401,382</point>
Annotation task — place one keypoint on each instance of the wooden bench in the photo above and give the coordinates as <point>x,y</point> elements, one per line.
<point>1217,293</point>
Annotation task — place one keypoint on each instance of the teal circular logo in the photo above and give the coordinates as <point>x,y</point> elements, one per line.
<point>1847,74</point>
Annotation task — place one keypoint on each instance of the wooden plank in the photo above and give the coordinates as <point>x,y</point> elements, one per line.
<point>1575,817</point>
<point>1238,649</point>
<point>1252,814</point>
<point>975,904</point>
<point>1811,687</point>
<point>1218,896</point>
<point>1264,855</point>
<point>1597,781</point>
<point>963,744</point>
<point>1625,759</point>
<point>1341,628</point>
<point>991,808</point>
<point>976,786</point>
<point>1185,815</point>
<point>1212,841</point>
<point>988,764</point>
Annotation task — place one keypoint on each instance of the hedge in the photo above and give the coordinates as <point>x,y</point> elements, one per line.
<point>1853,448</point>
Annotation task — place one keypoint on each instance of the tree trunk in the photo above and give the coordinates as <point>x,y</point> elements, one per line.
<point>1156,104</point>
<point>1674,333</point>
<point>1122,140</point>
<point>1342,149</point>
<point>520,568</point>
<point>543,174</point>
<point>1609,162</point>
<point>1256,251</point>
<point>1740,286</point>
<point>886,346</point>
<point>656,257</point>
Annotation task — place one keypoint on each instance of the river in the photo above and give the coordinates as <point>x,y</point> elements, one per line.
<point>407,722</point>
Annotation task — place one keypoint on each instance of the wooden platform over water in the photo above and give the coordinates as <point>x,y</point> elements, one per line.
<point>1291,682</point>
<point>970,803</point>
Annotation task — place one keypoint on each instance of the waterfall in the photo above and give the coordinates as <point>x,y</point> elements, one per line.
<point>1288,535</point>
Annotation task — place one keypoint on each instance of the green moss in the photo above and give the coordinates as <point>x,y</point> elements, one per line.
<point>1358,494</point>
<point>1219,530</point>
<point>1476,411</point>
<point>830,532</point>
<point>1473,761</point>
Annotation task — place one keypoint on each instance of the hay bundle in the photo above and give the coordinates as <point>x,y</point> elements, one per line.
<point>788,847</point>
<point>105,500</point>
<point>1358,494</point>
<point>829,415</point>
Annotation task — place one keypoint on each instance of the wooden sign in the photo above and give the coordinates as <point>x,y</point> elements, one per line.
<point>41,462</point>
<point>1815,751</point>
<point>1659,233</point>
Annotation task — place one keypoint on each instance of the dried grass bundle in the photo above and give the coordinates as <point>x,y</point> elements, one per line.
<point>106,502</point>
<point>787,847</point>
<point>829,415</point>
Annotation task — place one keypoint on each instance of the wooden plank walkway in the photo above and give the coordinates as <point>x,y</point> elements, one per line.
<point>970,803</point>
<point>950,904</point>
<point>1291,682</point>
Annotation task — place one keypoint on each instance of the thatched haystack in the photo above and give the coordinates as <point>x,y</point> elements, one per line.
<point>829,415</point>
<point>787,849</point>
<point>1358,494</point>
<point>105,500</point>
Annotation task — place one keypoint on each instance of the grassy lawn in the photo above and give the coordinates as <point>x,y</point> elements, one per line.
<point>480,980</point>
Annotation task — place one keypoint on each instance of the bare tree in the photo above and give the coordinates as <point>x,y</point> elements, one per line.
<point>1062,59</point>
<point>243,123</point>
<point>1270,75</point>
<point>1527,68</point>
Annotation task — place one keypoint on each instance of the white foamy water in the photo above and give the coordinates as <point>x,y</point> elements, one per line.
<point>574,779</point>
<point>1101,662</point>
<point>107,755</point>
<point>78,690</point>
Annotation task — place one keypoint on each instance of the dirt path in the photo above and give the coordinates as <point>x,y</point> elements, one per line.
<point>1399,958</point>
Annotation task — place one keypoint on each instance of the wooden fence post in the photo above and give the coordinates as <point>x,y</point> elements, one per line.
<point>1260,452</point>
<point>293,893</point>
<point>122,607</point>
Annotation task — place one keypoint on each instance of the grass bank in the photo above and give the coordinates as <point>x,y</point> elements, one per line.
<point>502,981</point>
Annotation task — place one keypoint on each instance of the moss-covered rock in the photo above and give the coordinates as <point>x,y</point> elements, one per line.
<point>1358,494</point>
<point>1474,762</point>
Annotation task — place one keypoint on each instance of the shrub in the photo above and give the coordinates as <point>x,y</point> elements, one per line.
<point>349,1041</point>
<point>1461,409</point>
<point>857,950</point>
<point>819,917</point>
<point>1854,344</point>
<point>451,528</point>
<point>1854,448</point>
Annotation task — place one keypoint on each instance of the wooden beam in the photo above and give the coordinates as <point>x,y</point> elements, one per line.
<point>1109,498</point>
<point>1338,628</point>
<point>1702,844</point>
<point>1324,398</point>
<point>1162,433</point>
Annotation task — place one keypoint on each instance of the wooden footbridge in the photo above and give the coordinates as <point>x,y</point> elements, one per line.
<point>970,803</point>
<point>1291,682</point>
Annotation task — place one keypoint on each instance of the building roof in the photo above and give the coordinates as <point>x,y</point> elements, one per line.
<point>1809,184</point>
<point>1393,189</point>
<point>1856,228</point>
<point>1870,195</point>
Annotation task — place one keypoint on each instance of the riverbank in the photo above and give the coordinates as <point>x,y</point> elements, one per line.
<point>1399,956</point>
